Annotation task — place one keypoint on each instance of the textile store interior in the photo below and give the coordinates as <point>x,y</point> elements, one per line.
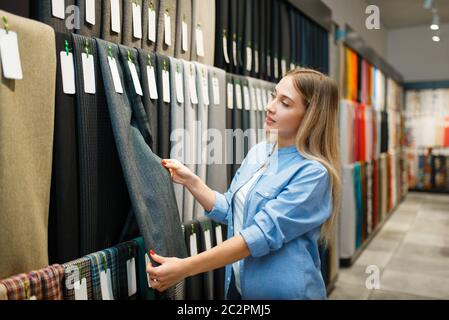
<point>92,92</point>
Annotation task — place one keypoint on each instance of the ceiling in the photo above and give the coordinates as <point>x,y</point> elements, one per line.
<point>409,13</point>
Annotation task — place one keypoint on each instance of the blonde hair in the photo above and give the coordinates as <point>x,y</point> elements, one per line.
<point>318,137</point>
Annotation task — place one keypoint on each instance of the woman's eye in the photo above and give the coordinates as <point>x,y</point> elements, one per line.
<point>285,103</point>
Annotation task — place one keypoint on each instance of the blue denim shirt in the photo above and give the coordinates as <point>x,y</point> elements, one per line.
<point>282,216</point>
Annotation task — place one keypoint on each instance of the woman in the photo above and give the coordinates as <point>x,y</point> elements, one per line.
<point>276,214</point>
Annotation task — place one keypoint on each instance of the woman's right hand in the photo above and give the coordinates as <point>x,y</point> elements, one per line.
<point>179,172</point>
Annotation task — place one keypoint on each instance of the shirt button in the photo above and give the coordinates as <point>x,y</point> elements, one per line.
<point>266,194</point>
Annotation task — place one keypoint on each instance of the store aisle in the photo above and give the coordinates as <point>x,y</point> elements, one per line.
<point>411,251</point>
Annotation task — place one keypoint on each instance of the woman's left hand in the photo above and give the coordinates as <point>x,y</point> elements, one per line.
<point>170,272</point>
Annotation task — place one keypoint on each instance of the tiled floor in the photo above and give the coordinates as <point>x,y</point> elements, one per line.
<point>411,253</point>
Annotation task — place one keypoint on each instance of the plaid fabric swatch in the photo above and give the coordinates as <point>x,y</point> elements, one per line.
<point>83,266</point>
<point>95,265</point>
<point>44,284</point>
<point>112,263</point>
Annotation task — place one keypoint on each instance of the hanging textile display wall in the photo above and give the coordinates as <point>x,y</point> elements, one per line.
<point>150,11</point>
<point>183,29</point>
<point>132,23</point>
<point>90,18</point>
<point>203,31</point>
<point>112,20</point>
<point>166,29</point>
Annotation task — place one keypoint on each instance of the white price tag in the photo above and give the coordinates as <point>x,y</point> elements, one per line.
<point>218,235</point>
<point>259,99</point>
<point>216,90</point>
<point>292,66</point>
<point>225,49</point>
<point>68,73</point>
<point>253,98</point>
<point>276,67</point>
<point>152,83</point>
<point>167,32</point>
<point>238,96</point>
<point>166,86</point>
<point>192,84</point>
<point>58,9</point>
<point>199,41</point>
<point>208,239</point>
<point>135,77</point>
<point>284,67</point>
<point>185,37</point>
<point>193,246</point>
<point>90,11</point>
<point>131,276</point>
<point>115,16</point>
<point>80,290</point>
<point>205,85</point>
<point>234,52</point>
<point>106,285</point>
<point>10,56</point>
<point>179,87</point>
<point>230,102</point>
<point>249,58</point>
<point>137,21</point>
<point>88,73</point>
<point>115,75</point>
<point>151,24</point>
<point>246,98</point>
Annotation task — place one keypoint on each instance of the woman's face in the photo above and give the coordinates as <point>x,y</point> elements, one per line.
<point>286,110</point>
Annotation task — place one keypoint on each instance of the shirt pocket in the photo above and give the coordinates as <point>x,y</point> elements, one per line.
<point>262,195</point>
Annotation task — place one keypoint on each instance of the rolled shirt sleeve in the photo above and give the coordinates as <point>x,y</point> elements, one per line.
<point>220,209</point>
<point>303,205</point>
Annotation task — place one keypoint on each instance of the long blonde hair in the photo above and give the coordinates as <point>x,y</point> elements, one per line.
<point>318,137</point>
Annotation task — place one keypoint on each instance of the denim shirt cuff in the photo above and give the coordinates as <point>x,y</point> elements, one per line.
<point>255,240</point>
<point>219,209</point>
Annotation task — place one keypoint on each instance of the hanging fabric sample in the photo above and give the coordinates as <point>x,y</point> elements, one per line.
<point>78,280</point>
<point>63,221</point>
<point>177,125</point>
<point>152,195</point>
<point>195,284</point>
<point>166,28</point>
<point>104,200</point>
<point>144,291</point>
<point>223,44</point>
<point>217,125</point>
<point>55,17</point>
<point>90,18</point>
<point>132,23</point>
<point>183,29</point>
<point>163,75</point>
<point>150,11</point>
<point>347,224</point>
<point>207,235</point>
<point>203,31</point>
<point>286,48</point>
<point>247,53</point>
<point>27,107</point>
<point>112,20</point>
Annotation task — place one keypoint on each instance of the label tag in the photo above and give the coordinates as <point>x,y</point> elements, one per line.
<point>137,21</point>
<point>225,49</point>
<point>80,290</point>
<point>238,96</point>
<point>249,58</point>
<point>131,275</point>
<point>199,41</point>
<point>193,246</point>
<point>106,285</point>
<point>246,98</point>
<point>292,66</point>
<point>276,67</point>
<point>115,75</point>
<point>135,77</point>
<point>230,101</point>
<point>68,73</point>
<point>218,235</point>
<point>185,37</point>
<point>115,16</point>
<point>58,9</point>
<point>284,67</point>
<point>10,56</point>
<point>90,11</point>
<point>234,52</point>
<point>152,83</point>
<point>151,24</point>
<point>192,83</point>
<point>253,98</point>
<point>259,99</point>
<point>167,29</point>
<point>207,239</point>
<point>166,86</point>
<point>205,84</point>
<point>216,90</point>
<point>88,73</point>
<point>179,87</point>
<point>269,65</point>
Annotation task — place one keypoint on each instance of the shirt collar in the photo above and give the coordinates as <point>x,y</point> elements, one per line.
<point>286,150</point>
